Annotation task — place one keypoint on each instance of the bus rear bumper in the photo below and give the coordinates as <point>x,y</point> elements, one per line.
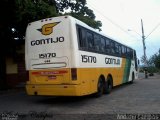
<point>54,90</point>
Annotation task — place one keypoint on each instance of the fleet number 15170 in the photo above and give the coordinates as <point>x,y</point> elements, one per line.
<point>88,59</point>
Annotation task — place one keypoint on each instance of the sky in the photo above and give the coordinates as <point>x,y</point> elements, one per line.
<point>121,20</point>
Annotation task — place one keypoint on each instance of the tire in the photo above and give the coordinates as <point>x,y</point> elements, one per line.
<point>100,85</point>
<point>108,86</point>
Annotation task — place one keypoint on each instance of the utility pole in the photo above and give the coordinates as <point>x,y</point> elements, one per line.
<point>144,50</point>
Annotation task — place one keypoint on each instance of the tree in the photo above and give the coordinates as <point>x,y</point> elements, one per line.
<point>31,10</point>
<point>145,61</point>
<point>79,10</point>
<point>27,11</point>
<point>5,22</point>
<point>155,59</point>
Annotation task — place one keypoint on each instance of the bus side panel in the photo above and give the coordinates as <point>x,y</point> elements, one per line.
<point>89,77</point>
<point>104,65</point>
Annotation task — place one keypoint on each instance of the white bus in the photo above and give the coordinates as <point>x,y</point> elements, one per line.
<point>66,57</point>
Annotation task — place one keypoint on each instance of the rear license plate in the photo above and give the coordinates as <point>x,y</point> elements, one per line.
<point>52,77</point>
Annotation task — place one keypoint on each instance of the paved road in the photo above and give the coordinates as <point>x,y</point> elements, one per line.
<point>143,96</point>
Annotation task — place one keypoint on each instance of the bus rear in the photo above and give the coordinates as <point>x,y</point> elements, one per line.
<point>48,58</point>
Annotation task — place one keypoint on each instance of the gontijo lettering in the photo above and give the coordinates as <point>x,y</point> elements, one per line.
<point>112,61</point>
<point>47,41</point>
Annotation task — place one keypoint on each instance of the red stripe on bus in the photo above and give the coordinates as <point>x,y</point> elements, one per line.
<point>49,72</point>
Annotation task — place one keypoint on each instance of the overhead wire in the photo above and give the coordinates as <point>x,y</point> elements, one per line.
<point>153,46</point>
<point>117,25</point>
<point>152,31</point>
<point>111,21</point>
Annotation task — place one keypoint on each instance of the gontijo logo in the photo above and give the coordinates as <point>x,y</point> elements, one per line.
<point>47,29</point>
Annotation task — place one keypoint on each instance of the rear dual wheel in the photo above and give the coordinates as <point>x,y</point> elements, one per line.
<point>99,88</point>
<point>104,87</point>
<point>108,86</point>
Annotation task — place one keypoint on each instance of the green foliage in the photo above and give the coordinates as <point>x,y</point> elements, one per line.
<point>31,10</point>
<point>155,60</point>
<point>145,61</point>
<point>92,23</point>
<point>150,69</point>
<point>27,11</point>
<point>79,10</point>
<point>153,63</point>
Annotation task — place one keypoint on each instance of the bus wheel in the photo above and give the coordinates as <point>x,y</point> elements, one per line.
<point>108,86</point>
<point>99,88</point>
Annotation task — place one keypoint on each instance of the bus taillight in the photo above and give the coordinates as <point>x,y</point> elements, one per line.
<point>74,73</point>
